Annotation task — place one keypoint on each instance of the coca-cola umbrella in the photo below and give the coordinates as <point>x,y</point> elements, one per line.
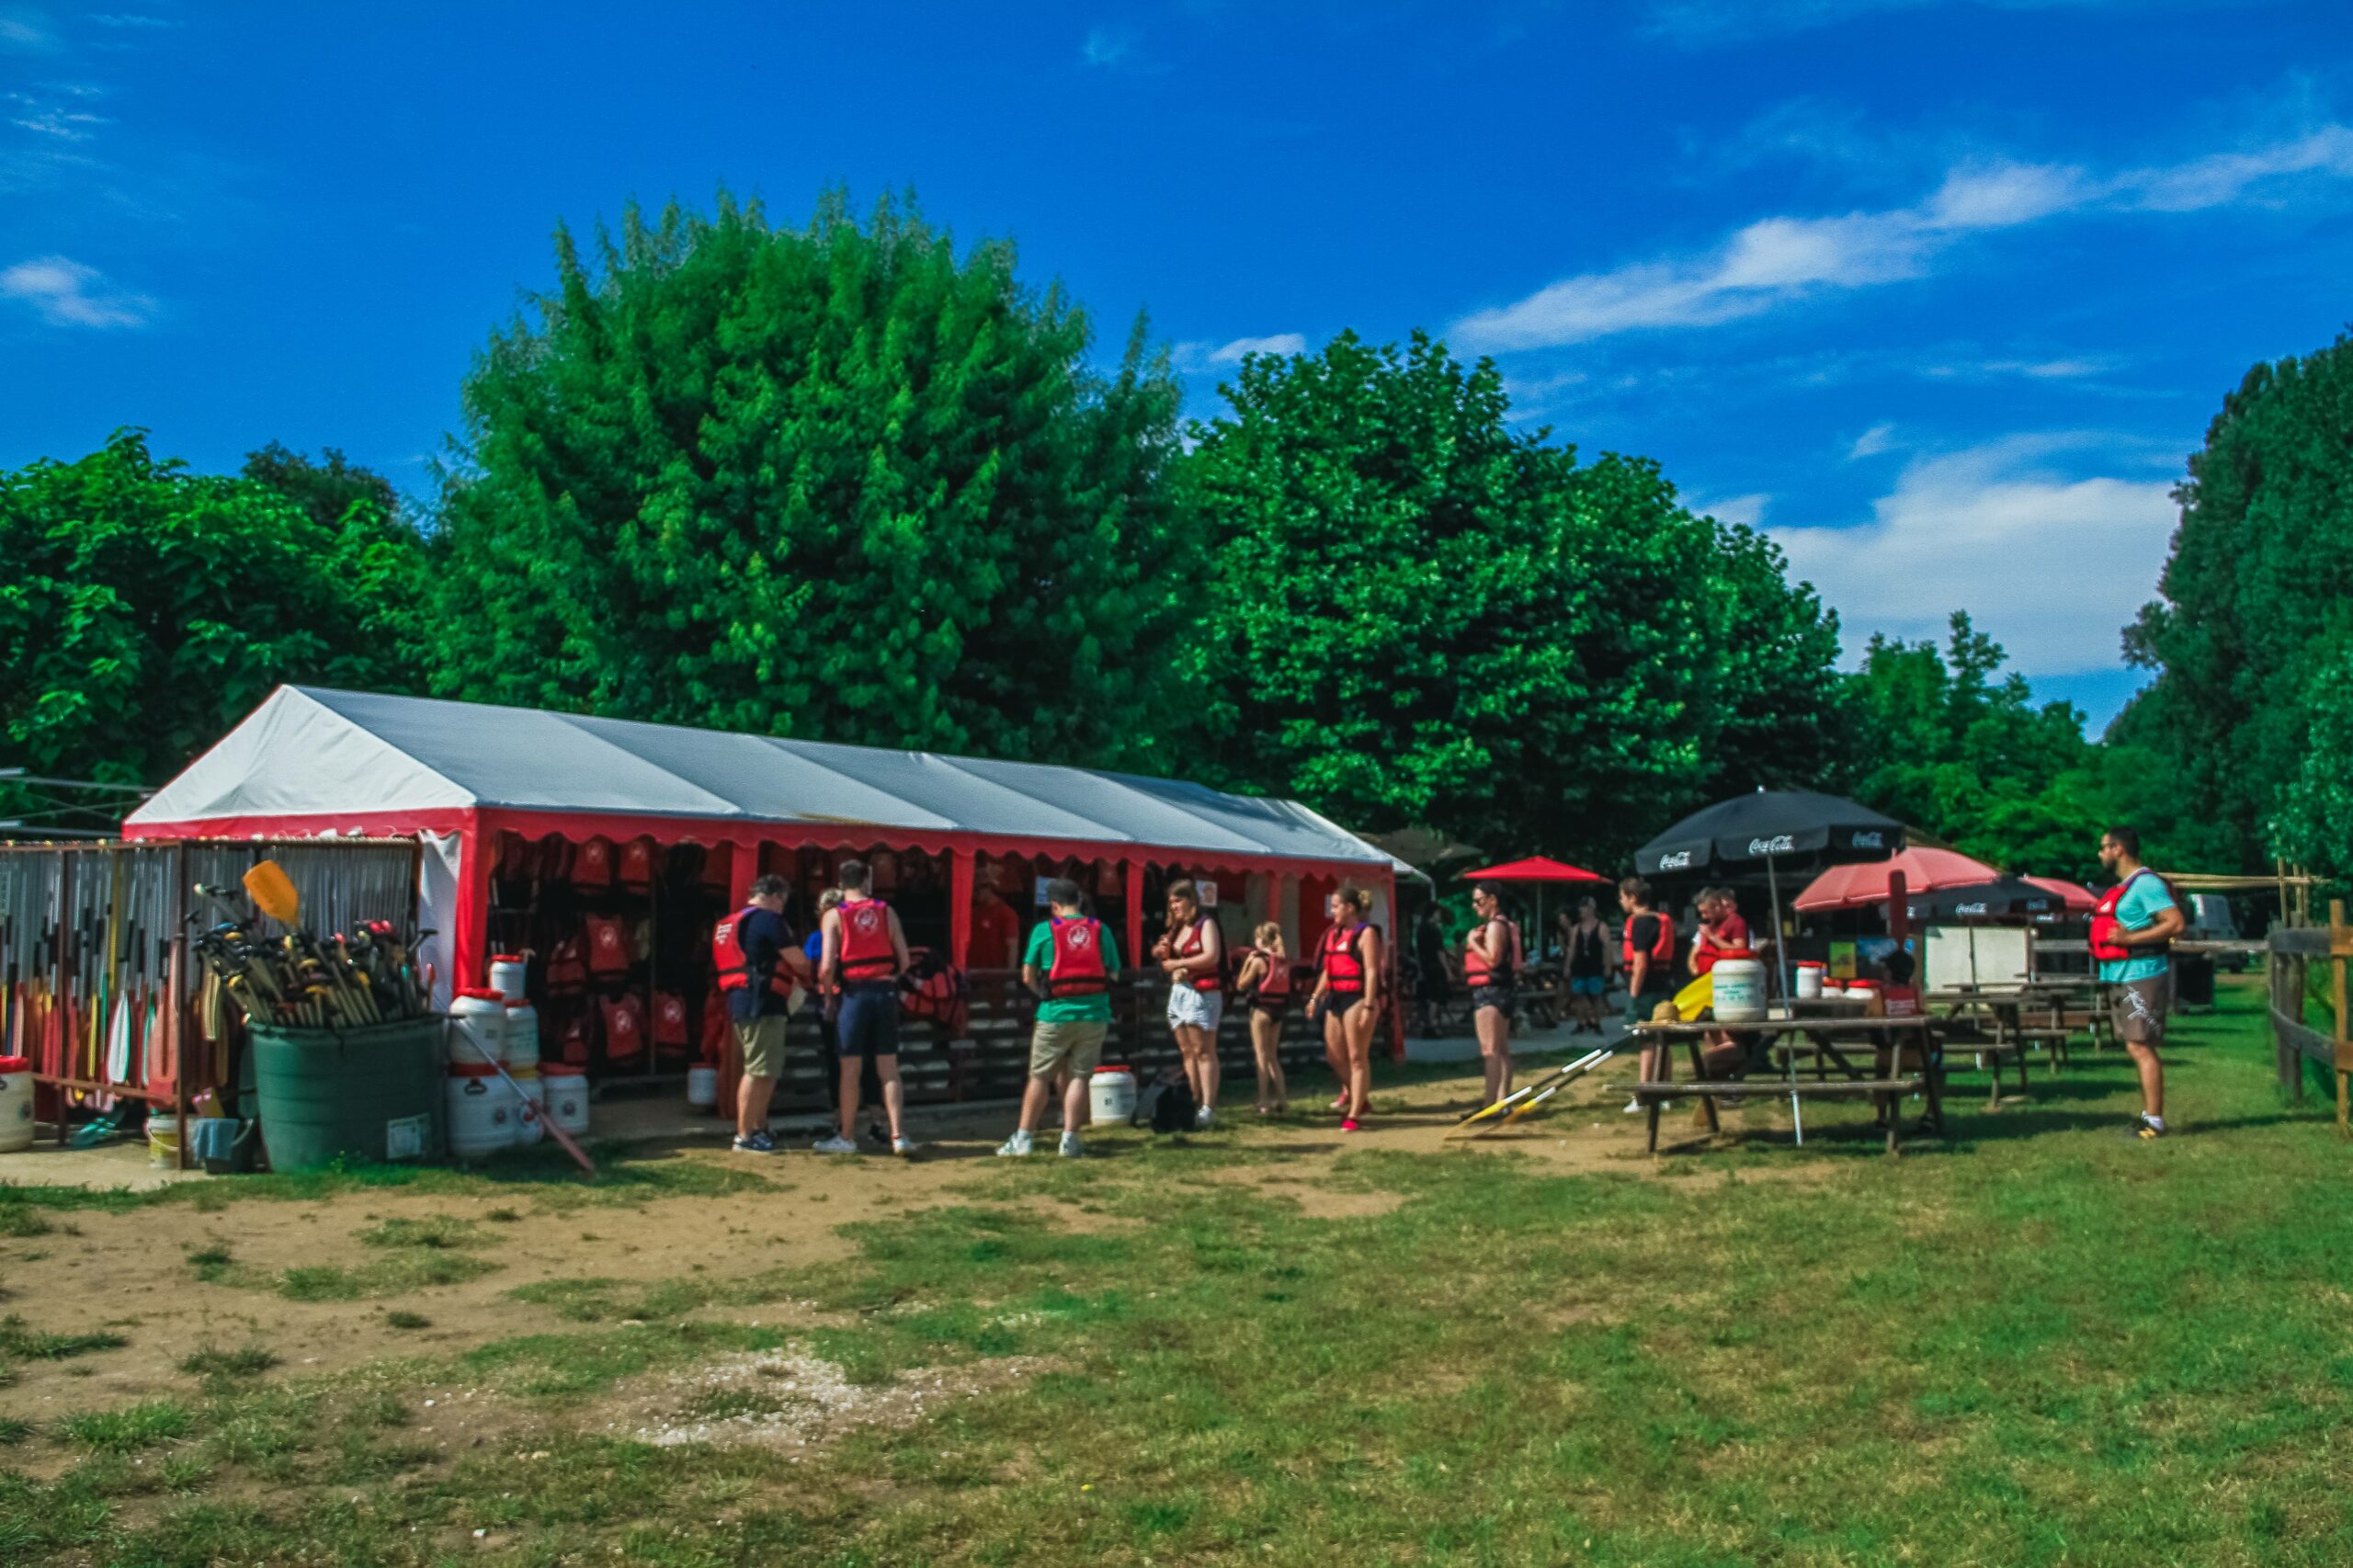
<point>1773,826</point>
<point>2003,898</point>
<point>2075,898</point>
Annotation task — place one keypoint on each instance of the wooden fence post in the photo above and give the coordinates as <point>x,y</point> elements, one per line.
<point>2340,947</point>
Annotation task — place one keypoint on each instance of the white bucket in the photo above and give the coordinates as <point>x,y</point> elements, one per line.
<point>477,1028</point>
<point>522,1035</point>
<point>566,1092</point>
<point>15,1106</point>
<point>481,1111</point>
<point>1112,1095</point>
<point>530,1126</point>
<point>1739,989</point>
<point>1809,981</point>
<point>506,976</point>
<point>163,1142</point>
<point>702,1087</point>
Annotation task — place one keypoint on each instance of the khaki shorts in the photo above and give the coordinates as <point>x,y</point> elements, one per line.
<point>2139,1009</point>
<point>1078,1042</point>
<point>762,1043</point>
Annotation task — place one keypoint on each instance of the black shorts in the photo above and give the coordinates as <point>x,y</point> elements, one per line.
<point>1504,996</point>
<point>1274,1007</point>
<point>869,1020</point>
<point>1338,1003</point>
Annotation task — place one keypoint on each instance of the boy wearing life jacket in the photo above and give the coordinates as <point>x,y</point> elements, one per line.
<point>759,967</point>
<point>1071,964</point>
<point>865,954</point>
<point>2132,925</point>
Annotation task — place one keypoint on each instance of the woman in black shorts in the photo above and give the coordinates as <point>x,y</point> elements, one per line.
<point>1266,981</point>
<point>1348,992</point>
<point>1491,962</point>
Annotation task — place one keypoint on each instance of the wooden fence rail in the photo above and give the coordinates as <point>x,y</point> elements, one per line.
<point>2291,951</point>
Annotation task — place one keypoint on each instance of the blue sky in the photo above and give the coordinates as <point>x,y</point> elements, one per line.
<point>1939,292</point>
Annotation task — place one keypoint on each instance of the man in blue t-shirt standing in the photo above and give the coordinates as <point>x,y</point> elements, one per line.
<point>2132,926</point>
<point>1070,965</point>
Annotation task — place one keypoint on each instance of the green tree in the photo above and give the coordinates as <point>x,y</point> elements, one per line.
<point>1416,615</point>
<point>327,487</point>
<point>145,610</point>
<point>1944,740</point>
<point>2256,616</point>
<point>835,482</point>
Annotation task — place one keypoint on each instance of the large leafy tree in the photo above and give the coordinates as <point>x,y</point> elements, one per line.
<point>2255,621</point>
<point>1944,739</point>
<point>838,482</point>
<point>1416,615</point>
<point>146,609</point>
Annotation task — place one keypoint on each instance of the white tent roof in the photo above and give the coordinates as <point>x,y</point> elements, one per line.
<point>311,751</point>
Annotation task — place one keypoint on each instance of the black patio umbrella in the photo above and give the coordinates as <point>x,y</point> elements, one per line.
<point>1774,826</point>
<point>2008,899</point>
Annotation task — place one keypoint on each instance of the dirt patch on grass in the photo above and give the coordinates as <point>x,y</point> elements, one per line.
<point>790,1400</point>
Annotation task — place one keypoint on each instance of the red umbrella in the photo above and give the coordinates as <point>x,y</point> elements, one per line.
<point>1924,870</point>
<point>1536,869</point>
<point>2079,899</point>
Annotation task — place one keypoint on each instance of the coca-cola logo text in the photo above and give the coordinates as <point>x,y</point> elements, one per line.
<point>1868,841</point>
<point>1780,844</point>
<point>1678,862</point>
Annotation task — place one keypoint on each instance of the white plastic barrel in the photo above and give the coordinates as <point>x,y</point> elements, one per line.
<point>1867,991</point>
<point>477,1028</point>
<point>1112,1095</point>
<point>481,1111</point>
<point>702,1087</point>
<point>529,1116</point>
<point>1809,979</point>
<point>566,1089</point>
<point>15,1103</point>
<point>522,1035</point>
<point>1739,987</point>
<point>508,973</point>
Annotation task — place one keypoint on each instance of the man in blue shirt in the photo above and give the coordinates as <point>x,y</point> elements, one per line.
<point>2132,927</point>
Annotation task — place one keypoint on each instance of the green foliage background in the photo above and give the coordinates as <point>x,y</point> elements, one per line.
<point>847,481</point>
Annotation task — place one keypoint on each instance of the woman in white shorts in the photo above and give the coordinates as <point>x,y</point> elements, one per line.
<point>1193,954</point>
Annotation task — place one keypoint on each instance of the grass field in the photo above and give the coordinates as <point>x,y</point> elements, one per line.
<point>2036,1343</point>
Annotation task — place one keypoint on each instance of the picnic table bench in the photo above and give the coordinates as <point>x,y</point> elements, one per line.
<point>1838,1044</point>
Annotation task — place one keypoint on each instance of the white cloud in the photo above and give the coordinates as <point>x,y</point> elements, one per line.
<point>24,30</point>
<point>1697,23</point>
<point>1741,511</point>
<point>122,19</point>
<point>1776,260</point>
<point>1108,47</point>
<point>1280,343</point>
<point>2050,566</point>
<point>1871,442</point>
<point>67,293</point>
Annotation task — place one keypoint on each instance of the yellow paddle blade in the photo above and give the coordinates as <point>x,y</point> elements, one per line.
<point>273,893</point>
<point>1696,998</point>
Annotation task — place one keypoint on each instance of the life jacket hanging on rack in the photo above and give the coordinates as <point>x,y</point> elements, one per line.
<point>727,956</point>
<point>1478,971</point>
<point>866,953</point>
<point>1076,968</point>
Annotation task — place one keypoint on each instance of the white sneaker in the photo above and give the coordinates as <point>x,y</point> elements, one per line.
<point>1018,1145</point>
<point>1635,1107</point>
<point>1203,1116</point>
<point>1072,1149</point>
<point>837,1144</point>
<point>904,1147</point>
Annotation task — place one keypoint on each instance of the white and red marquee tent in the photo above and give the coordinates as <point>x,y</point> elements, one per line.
<point>311,762</point>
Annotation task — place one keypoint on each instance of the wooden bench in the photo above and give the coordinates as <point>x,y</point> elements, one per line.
<point>1887,1094</point>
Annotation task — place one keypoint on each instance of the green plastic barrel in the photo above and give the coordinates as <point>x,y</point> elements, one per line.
<point>369,1095</point>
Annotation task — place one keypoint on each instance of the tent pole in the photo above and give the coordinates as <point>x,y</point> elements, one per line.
<point>1780,943</point>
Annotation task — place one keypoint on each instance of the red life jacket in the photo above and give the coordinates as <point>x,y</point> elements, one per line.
<point>1194,943</point>
<point>592,865</point>
<point>1341,960</point>
<point>624,1028</point>
<point>1275,986</point>
<point>1076,967</point>
<point>734,969</point>
<point>636,868</point>
<point>608,946</point>
<point>2106,926</point>
<point>866,951</point>
<point>1476,970</point>
<point>1662,946</point>
<point>669,1020</point>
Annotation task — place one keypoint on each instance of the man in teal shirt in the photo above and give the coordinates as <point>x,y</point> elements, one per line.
<point>1070,963</point>
<point>2137,919</point>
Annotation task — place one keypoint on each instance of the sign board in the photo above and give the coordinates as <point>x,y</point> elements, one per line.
<point>1990,958</point>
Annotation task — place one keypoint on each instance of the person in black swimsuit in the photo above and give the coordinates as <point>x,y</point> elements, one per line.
<point>1585,960</point>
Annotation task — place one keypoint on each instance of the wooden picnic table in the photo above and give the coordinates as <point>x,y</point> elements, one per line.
<point>1830,1042</point>
<point>2007,1007</point>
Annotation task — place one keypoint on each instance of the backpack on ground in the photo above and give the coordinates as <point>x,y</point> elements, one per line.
<point>1166,1103</point>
